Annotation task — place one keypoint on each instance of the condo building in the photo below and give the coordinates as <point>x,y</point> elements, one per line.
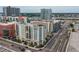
<point>11,11</point>
<point>39,30</point>
<point>46,14</point>
<point>13,26</point>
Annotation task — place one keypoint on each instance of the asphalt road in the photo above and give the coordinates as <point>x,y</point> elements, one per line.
<point>52,40</point>
<point>15,47</point>
<point>55,38</point>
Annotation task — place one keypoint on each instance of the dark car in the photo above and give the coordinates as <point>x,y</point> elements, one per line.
<point>12,45</point>
<point>23,49</point>
<point>26,47</point>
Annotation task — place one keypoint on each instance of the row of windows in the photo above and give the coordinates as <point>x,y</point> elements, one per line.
<point>12,19</point>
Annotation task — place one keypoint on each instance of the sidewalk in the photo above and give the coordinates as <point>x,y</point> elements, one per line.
<point>73,44</point>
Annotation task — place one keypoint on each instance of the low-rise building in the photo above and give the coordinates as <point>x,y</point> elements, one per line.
<point>76,25</point>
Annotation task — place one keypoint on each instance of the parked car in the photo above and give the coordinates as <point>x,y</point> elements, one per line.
<point>12,45</point>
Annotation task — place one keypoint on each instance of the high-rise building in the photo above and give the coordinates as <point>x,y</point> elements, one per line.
<point>40,29</point>
<point>46,14</point>
<point>11,11</point>
<point>38,34</point>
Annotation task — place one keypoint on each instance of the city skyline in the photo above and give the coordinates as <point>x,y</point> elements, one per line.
<point>55,9</point>
<point>38,32</point>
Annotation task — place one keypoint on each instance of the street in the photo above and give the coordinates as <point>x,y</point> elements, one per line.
<point>55,43</point>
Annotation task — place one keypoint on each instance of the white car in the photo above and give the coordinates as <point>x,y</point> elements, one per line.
<point>0,45</point>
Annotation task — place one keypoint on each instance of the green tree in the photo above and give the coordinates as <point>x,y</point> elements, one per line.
<point>47,38</point>
<point>44,42</point>
<point>73,30</point>
<point>41,45</point>
<point>31,44</point>
<point>71,25</point>
<point>18,40</point>
<point>25,42</point>
<point>35,44</point>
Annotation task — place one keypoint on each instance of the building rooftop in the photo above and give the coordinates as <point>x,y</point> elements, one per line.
<point>40,22</point>
<point>55,21</point>
<point>73,44</point>
<point>8,23</point>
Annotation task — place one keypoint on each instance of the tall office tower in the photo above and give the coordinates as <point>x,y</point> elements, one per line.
<point>46,14</point>
<point>11,11</point>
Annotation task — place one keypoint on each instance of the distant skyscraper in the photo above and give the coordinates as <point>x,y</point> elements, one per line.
<point>11,11</point>
<point>46,14</point>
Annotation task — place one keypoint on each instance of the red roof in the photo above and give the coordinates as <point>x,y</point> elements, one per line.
<point>21,17</point>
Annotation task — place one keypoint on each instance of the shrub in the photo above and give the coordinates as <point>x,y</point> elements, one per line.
<point>71,25</point>
<point>44,42</point>
<point>18,40</point>
<point>25,42</point>
<point>73,30</point>
<point>35,44</point>
<point>31,44</point>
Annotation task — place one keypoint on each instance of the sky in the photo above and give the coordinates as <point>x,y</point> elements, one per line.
<point>55,9</point>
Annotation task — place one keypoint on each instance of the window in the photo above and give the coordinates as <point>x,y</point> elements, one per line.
<point>5,33</point>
